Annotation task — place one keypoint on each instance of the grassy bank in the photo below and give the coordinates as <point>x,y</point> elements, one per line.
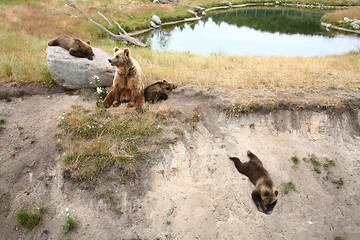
<point>337,17</point>
<point>29,25</point>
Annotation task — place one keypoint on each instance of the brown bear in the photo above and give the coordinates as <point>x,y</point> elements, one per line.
<point>129,81</point>
<point>158,91</point>
<point>76,47</point>
<point>264,195</point>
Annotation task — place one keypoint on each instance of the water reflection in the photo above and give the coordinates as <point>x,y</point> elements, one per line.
<point>254,32</point>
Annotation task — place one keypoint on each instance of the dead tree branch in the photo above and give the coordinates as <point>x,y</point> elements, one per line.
<point>104,18</point>
<point>123,37</point>
<point>117,24</point>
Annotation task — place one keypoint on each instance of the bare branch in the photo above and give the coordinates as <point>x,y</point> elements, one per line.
<point>104,18</point>
<point>120,28</point>
<point>71,15</point>
<point>123,37</point>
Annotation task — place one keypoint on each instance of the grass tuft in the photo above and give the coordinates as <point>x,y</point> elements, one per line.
<point>70,224</point>
<point>289,186</point>
<point>28,220</point>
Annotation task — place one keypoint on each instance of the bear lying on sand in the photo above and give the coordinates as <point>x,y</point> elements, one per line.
<point>129,81</point>
<point>158,91</point>
<point>76,47</point>
<point>264,194</point>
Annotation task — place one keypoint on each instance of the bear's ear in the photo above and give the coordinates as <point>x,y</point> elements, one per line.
<point>88,42</point>
<point>164,81</point>
<point>276,192</point>
<point>127,52</point>
<point>116,49</point>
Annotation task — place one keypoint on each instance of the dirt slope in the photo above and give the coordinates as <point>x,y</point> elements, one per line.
<point>188,189</point>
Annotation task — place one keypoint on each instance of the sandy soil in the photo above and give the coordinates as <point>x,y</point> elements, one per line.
<point>188,189</point>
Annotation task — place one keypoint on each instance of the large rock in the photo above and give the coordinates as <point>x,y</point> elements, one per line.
<point>156,19</point>
<point>75,73</point>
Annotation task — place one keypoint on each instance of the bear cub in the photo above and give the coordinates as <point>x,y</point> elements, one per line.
<point>158,91</point>
<point>75,46</point>
<point>264,194</point>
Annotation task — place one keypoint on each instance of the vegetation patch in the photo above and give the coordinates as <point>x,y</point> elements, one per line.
<point>337,17</point>
<point>325,166</point>
<point>2,122</point>
<point>28,219</point>
<point>289,186</point>
<point>247,106</point>
<point>69,225</point>
<point>296,161</point>
<point>100,139</point>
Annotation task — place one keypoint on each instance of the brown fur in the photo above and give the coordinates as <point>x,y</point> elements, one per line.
<point>76,47</point>
<point>264,194</point>
<point>129,81</point>
<point>158,91</point>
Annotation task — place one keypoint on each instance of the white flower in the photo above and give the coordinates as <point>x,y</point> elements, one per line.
<point>67,209</point>
<point>99,90</point>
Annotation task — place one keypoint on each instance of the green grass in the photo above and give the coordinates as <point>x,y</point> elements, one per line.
<point>295,159</point>
<point>28,220</point>
<point>289,186</point>
<point>340,182</point>
<point>2,122</point>
<point>70,224</point>
<point>317,170</point>
<point>314,160</point>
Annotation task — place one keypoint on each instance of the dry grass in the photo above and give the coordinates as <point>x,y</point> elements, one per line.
<point>273,73</point>
<point>29,25</point>
<point>338,15</point>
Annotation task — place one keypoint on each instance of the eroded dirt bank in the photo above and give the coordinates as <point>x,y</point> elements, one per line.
<point>187,189</point>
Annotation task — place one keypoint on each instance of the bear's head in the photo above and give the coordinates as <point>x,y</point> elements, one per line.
<point>169,86</point>
<point>86,48</point>
<point>269,196</point>
<point>120,58</point>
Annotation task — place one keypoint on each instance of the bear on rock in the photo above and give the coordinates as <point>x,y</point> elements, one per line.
<point>76,47</point>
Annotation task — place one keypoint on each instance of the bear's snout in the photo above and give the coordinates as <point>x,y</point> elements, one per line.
<point>109,60</point>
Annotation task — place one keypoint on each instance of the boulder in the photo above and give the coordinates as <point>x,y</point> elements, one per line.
<point>75,73</point>
<point>356,27</point>
<point>156,19</point>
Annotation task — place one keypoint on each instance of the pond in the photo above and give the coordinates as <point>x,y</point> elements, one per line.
<point>254,32</point>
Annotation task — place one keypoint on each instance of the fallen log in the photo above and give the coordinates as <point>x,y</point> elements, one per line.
<point>123,37</point>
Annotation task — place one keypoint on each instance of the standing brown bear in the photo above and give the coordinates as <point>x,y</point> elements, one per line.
<point>76,47</point>
<point>129,81</point>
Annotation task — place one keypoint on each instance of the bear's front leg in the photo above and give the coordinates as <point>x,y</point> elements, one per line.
<point>74,53</point>
<point>132,99</point>
<point>117,93</point>
<point>109,99</point>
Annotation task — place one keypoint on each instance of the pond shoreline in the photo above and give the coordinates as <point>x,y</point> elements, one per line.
<point>310,6</point>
